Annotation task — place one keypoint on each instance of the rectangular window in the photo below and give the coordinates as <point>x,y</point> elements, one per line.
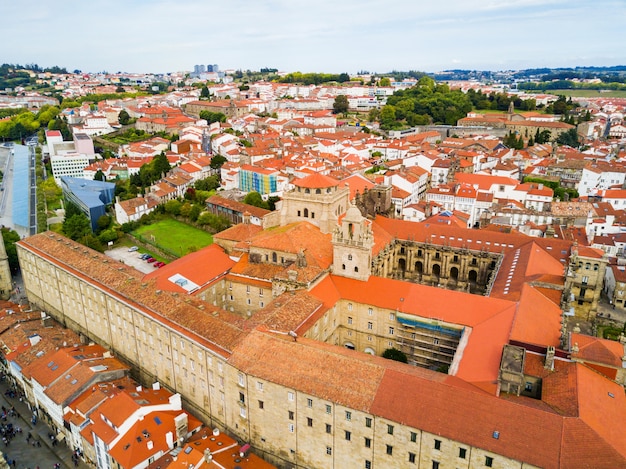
<point>259,386</point>
<point>462,453</point>
<point>261,405</point>
<point>309,402</point>
<point>368,464</point>
<point>329,428</point>
<point>290,427</point>
<point>348,435</point>
<point>291,415</point>
<point>390,429</point>
<point>309,422</point>
<point>368,442</point>
<point>242,398</point>
<point>413,437</point>
<point>290,396</point>
<point>370,326</point>
<point>370,311</point>
<point>392,317</point>
<point>391,331</point>
<point>389,450</point>
<point>435,464</point>
<point>412,457</point>
<point>368,422</point>
<point>348,415</point>
<point>328,409</point>
<point>329,450</point>
<point>349,320</point>
<point>242,412</point>
<point>488,461</point>
<point>438,444</point>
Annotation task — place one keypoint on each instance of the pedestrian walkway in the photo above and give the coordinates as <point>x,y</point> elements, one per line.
<point>33,446</point>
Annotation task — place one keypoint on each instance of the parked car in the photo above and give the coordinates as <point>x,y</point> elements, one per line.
<point>133,249</point>
<point>159,264</point>
<point>150,260</point>
<point>144,256</point>
<point>162,264</point>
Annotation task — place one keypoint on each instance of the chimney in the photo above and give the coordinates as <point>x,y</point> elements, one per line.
<point>549,364</point>
<point>246,218</point>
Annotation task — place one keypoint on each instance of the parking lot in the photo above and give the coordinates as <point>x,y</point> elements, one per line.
<point>131,258</point>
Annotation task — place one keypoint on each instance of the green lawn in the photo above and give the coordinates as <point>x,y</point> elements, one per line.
<point>174,236</point>
<point>588,93</point>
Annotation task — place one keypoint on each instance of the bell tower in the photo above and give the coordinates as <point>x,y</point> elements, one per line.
<point>352,245</point>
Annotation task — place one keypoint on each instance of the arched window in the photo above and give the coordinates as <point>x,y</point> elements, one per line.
<point>356,269</point>
<point>274,257</point>
<point>306,213</point>
<point>307,191</point>
<point>318,191</point>
<point>349,257</point>
<point>343,266</point>
<point>596,266</point>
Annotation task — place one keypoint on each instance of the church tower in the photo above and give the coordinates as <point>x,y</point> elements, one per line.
<point>5,273</point>
<point>352,245</point>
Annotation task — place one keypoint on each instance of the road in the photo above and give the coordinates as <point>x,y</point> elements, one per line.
<point>27,455</point>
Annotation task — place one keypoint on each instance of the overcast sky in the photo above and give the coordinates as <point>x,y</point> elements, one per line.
<point>314,35</point>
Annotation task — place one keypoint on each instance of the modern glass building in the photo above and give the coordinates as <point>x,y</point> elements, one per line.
<point>91,197</point>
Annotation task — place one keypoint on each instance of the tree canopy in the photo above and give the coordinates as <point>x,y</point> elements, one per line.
<point>340,106</point>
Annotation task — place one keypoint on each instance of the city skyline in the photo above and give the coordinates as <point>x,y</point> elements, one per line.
<point>164,36</point>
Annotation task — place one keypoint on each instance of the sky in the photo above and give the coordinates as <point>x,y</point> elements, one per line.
<point>332,36</point>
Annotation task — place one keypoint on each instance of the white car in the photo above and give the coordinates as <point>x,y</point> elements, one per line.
<point>133,249</point>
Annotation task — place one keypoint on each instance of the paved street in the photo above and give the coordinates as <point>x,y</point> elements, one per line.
<point>42,453</point>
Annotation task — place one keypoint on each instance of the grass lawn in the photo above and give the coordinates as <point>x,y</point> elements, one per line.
<point>174,236</point>
<point>589,93</point>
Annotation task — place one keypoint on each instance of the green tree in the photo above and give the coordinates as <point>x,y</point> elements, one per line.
<point>185,209</point>
<point>569,138</point>
<point>195,212</point>
<point>211,117</point>
<point>103,222</point>
<point>217,161</point>
<point>99,176</point>
<point>161,165</point>
<point>340,105</point>
<point>395,354</point>
<point>385,81</point>
<point>11,237</point>
<point>123,117</point>
<point>254,198</point>
<point>173,207</point>
<point>387,117</point>
<point>205,93</point>
<point>76,226</point>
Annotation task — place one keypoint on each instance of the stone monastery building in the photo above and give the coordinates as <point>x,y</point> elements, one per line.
<point>274,335</point>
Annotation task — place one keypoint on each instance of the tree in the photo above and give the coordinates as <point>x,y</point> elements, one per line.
<point>254,198</point>
<point>76,226</point>
<point>205,93</point>
<point>569,138</point>
<point>103,222</point>
<point>161,164</point>
<point>384,82</point>
<point>173,207</point>
<point>217,161</point>
<point>395,354</point>
<point>340,106</point>
<point>11,237</point>
<point>99,176</point>
<point>123,117</point>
